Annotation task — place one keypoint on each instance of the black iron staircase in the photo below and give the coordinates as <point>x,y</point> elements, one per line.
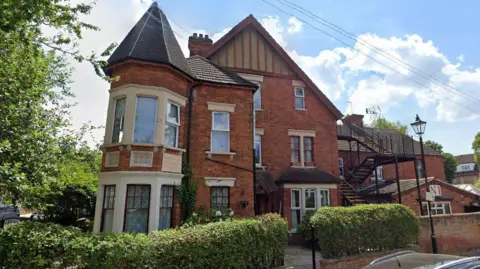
<point>362,171</point>
<point>349,195</point>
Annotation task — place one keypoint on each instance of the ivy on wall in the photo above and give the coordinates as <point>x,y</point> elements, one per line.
<point>187,193</point>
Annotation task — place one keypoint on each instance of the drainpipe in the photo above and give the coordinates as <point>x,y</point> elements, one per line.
<point>254,165</point>
<point>189,125</point>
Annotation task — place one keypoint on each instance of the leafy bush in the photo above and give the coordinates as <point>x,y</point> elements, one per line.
<point>305,227</point>
<point>245,243</point>
<point>342,231</point>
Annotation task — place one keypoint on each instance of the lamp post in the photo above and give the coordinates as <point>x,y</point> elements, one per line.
<point>419,128</point>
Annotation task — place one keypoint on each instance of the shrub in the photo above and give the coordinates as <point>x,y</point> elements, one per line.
<point>201,216</point>
<point>305,227</point>
<point>245,243</point>
<point>342,231</point>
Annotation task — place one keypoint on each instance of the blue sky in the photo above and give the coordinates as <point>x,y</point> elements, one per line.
<point>438,37</point>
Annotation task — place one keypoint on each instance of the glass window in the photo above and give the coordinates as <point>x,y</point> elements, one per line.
<point>308,149</point>
<point>219,197</point>
<point>310,198</point>
<point>257,97</point>
<point>340,167</point>
<point>299,98</point>
<point>166,207</point>
<point>379,171</point>
<point>295,149</point>
<point>324,198</point>
<point>295,207</point>
<point>220,132</point>
<point>137,208</point>
<point>419,168</point>
<point>172,125</point>
<point>118,120</point>
<point>438,208</point>
<point>108,209</point>
<point>145,119</point>
<point>258,149</point>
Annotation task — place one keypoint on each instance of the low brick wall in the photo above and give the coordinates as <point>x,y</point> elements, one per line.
<point>456,234</point>
<point>355,262</point>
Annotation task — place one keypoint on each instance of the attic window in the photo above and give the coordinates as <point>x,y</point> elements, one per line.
<point>299,98</point>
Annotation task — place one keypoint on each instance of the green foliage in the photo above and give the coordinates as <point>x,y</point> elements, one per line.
<point>245,243</point>
<point>476,147</point>
<point>383,123</point>
<point>434,145</point>
<point>450,167</point>
<point>342,231</point>
<point>305,227</point>
<point>36,37</point>
<point>187,193</point>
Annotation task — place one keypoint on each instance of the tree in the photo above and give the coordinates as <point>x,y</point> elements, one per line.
<point>35,96</point>
<point>434,145</point>
<point>476,147</point>
<point>450,166</point>
<point>383,123</point>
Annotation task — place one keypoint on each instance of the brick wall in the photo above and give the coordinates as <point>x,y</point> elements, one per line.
<point>456,234</point>
<point>466,178</point>
<point>279,115</point>
<point>241,142</point>
<point>460,198</point>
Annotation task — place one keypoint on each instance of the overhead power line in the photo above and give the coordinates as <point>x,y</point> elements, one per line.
<point>370,57</point>
<point>379,51</point>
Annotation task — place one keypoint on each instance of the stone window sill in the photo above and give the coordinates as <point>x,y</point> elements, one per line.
<point>258,109</point>
<point>260,167</point>
<point>211,153</point>
<point>173,148</point>
<point>301,109</point>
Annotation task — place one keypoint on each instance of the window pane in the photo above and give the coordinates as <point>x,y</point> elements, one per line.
<point>308,148</point>
<point>448,210</point>
<point>221,121</point>
<point>107,221</point>
<point>296,218</point>
<point>171,133</point>
<point>295,149</point>
<point>324,198</point>
<point>299,102</point>
<point>258,145</point>
<point>136,213</point>
<point>299,92</point>
<point>295,198</point>
<point>310,198</point>
<point>118,120</point>
<point>257,98</point>
<point>173,115</point>
<point>145,119</point>
<point>220,141</point>
<point>165,217</point>
<point>219,197</point>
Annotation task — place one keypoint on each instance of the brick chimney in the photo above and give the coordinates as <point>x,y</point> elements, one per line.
<point>199,44</point>
<point>356,119</point>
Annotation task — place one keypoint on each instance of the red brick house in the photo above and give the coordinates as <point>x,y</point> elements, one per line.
<point>257,132</point>
<point>468,171</point>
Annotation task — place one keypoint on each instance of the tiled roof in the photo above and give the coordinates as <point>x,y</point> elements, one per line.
<point>390,186</point>
<point>151,39</point>
<point>204,70</point>
<point>266,179</point>
<point>465,158</point>
<point>307,175</point>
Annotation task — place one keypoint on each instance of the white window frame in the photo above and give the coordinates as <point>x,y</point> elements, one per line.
<point>438,205</point>
<point>218,130</point>
<point>259,92</point>
<point>380,175</point>
<point>341,167</point>
<point>315,192</point>
<point>173,124</point>
<point>121,128</point>
<point>259,163</point>
<point>435,189</point>
<point>302,96</point>
<point>300,205</point>
<point>320,197</point>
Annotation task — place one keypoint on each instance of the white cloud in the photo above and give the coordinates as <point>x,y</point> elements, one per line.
<point>295,25</point>
<point>274,27</point>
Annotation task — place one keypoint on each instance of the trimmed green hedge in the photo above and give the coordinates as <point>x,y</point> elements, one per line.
<point>245,243</point>
<point>342,231</point>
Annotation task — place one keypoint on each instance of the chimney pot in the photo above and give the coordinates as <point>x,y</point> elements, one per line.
<point>201,36</point>
<point>206,36</point>
<point>194,34</point>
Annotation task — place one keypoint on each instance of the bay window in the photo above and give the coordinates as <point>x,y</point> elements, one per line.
<point>258,150</point>
<point>310,199</point>
<point>108,209</point>
<point>172,125</point>
<point>295,149</point>
<point>220,132</point>
<point>166,207</point>
<point>313,198</point>
<point>145,120</point>
<point>137,209</point>
<point>118,120</point>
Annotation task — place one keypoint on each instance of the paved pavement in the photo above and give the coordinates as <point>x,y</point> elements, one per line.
<point>299,258</point>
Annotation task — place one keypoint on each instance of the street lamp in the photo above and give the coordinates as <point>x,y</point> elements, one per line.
<point>419,128</point>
